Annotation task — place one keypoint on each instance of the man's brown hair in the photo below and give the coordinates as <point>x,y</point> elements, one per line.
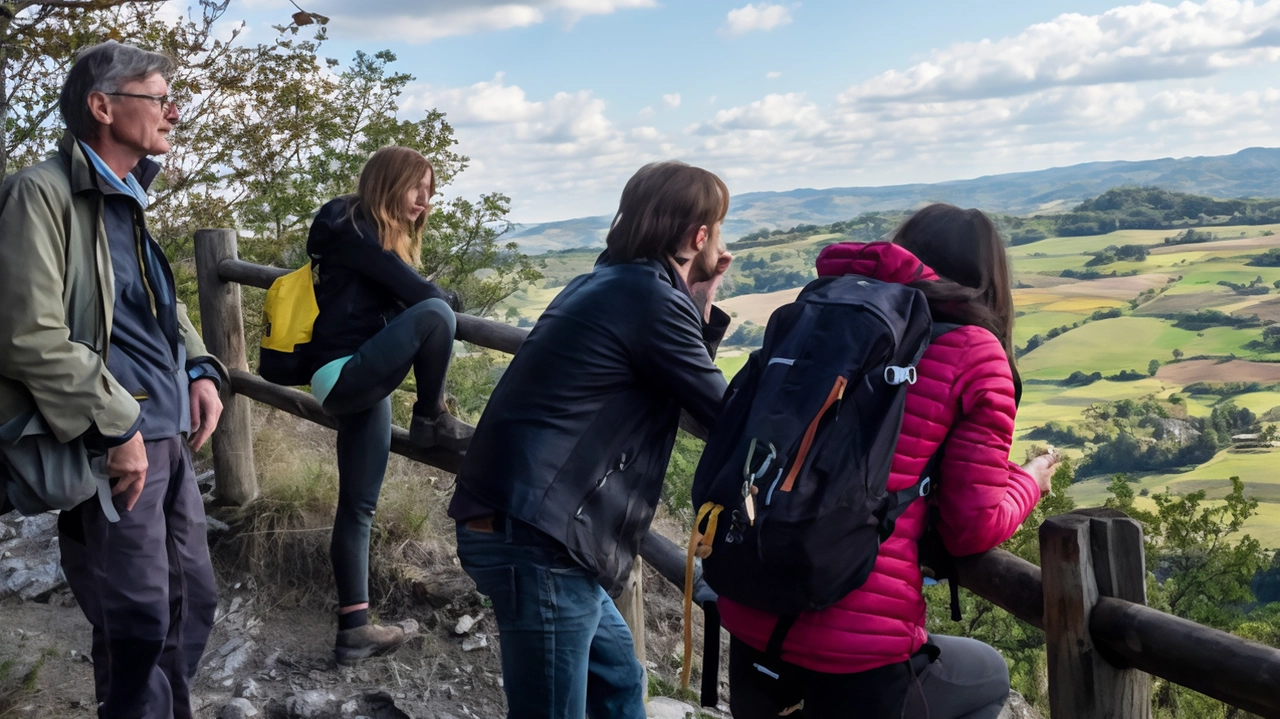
<point>662,204</point>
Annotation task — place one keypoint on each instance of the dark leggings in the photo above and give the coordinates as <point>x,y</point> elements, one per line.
<point>968,680</point>
<point>421,337</point>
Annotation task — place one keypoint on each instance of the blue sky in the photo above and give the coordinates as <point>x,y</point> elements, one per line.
<point>557,102</point>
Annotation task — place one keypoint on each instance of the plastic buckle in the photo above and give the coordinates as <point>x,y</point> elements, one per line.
<point>925,486</point>
<point>900,375</point>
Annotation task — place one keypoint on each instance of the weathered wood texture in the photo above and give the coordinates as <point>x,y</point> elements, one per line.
<point>1008,581</point>
<point>1237,671</point>
<point>222,323</point>
<point>1082,683</point>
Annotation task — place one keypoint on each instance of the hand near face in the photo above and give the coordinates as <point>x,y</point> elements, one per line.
<point>704,292</point>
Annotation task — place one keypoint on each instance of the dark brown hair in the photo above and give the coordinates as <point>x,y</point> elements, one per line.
<point>661,205</point>
<point>964,248</point>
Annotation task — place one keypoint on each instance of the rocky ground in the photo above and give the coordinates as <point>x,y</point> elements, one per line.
<point>275,662</point>
<point>263,659</point>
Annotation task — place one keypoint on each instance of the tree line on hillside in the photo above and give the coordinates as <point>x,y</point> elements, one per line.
<point>1150,208</point>
<point>1148,435</point>
<point>1120,208</point>
<point>270,130</point>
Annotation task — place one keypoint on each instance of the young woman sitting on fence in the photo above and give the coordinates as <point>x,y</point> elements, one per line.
<point>869,654</point>
<point>378,318</point>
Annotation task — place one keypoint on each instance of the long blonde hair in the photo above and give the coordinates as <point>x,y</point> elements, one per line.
<point>387,176</point>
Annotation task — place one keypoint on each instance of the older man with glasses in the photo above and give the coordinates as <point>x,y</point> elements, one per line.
<point>96,350</point>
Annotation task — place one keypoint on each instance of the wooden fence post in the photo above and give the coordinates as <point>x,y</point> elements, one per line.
<point>631,606</point>
<point>1084,556</point>
<point>236,480</point>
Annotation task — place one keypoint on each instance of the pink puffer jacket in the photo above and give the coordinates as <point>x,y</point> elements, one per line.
<point>964,386</point>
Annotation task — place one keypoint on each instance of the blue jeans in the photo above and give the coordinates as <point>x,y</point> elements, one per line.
<point>566,653</point>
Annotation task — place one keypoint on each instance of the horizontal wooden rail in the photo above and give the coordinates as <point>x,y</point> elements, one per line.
<point>1228,668</point>
<point>302,404</point>
<point>476,330</point>
<point>1217,664</point>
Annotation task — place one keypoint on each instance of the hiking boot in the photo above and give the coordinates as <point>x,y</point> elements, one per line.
<point>366,641</point>
<point>445,431</point>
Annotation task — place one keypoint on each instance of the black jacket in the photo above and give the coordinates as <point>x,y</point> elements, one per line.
<point>360,286</point>
<point>577,435</point>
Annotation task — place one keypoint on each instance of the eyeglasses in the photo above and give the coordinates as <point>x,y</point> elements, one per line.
<point>166,102</point>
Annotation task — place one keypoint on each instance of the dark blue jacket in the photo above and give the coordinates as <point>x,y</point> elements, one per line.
<point>146,355</point>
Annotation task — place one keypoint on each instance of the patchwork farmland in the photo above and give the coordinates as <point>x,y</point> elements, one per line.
<point>1183,330</point>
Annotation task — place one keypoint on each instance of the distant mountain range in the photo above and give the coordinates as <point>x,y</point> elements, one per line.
<point>1253,172</point>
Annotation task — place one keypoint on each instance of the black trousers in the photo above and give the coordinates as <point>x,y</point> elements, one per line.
<point>968,680</point>
<point>146,585</point>
<point>421,337</point>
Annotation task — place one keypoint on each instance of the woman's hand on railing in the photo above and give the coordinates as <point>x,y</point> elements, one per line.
<point>1041,469</point>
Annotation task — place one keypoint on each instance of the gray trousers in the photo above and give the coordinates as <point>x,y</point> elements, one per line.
<point>968,680</point>
<point>147,587</point>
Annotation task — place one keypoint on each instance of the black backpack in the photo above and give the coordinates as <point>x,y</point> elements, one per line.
<point>791,496</point>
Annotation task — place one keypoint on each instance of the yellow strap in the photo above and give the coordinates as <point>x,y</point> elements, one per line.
<point>697,540</point>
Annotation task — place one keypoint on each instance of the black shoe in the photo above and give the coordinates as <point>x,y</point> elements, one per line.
<point>444,431</point>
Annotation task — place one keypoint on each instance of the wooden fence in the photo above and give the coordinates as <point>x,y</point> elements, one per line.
<point>1089,599</point>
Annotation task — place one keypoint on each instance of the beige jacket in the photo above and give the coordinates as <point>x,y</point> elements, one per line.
<point>57,292</point>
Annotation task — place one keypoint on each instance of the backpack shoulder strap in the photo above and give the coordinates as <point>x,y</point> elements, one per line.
<point>941,328</point>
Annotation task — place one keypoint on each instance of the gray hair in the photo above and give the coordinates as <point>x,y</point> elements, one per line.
<point>105,67</point>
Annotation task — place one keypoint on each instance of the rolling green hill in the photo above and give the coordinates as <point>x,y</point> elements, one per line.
<point>1151,309</point>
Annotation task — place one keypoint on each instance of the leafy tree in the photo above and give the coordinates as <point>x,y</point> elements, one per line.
<point>1152,367</point>
<point>1178,354</point>
<point>269,132</point>
<point>1204,569</point>
<point>462,252</point>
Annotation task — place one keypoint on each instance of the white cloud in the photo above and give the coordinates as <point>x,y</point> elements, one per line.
<point>1126,44</point>
<point>563,155</point>
<point>672,100</point>
<point>789,110</point>
<point>773,75</point>
<point>419,21</point>
<point>762,16</point>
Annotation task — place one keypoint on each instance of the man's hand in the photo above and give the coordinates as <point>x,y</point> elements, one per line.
<point>704,293</point>
<point>206,408</point>
<point>127,464</point>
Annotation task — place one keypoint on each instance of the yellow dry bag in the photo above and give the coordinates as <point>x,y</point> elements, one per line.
<point>289,314</point>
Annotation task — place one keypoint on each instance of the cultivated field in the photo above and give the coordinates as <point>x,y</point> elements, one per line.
<point>1172,281</point>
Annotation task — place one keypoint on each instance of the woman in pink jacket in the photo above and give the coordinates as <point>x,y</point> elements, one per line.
<point>869,653</point>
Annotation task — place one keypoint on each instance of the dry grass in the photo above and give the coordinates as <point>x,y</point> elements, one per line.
<point>281,539</point>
